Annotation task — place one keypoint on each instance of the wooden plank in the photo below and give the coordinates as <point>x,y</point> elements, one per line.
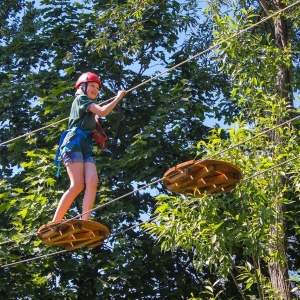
<point>203,176</point>
<point>75,245</point>
<point>62,235</point>
<point>73,234</point>
<point>192,180</point>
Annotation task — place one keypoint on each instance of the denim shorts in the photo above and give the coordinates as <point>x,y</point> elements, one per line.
<point>72,157</point>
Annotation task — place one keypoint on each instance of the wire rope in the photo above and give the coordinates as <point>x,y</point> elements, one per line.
<point>34,131</point>
<point>33,258</point>
<point>272,168</point>
<point>172,68</point>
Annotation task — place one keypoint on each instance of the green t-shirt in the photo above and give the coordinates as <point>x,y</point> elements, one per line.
<point>81,118</point>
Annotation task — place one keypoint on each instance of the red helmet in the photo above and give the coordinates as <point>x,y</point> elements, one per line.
<point>88,77</point>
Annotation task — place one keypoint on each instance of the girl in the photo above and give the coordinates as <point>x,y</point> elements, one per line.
<point>76,147</point>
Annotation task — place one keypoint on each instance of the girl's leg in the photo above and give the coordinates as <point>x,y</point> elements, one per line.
<point>91,182</point>
<point>76,175</point>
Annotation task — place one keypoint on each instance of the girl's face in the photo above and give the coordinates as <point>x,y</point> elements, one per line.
<point>92,90</point>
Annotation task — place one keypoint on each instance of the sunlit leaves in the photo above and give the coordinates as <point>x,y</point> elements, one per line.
<point>260,150</point>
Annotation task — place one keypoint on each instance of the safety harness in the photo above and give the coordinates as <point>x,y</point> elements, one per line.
<point>98,135</point>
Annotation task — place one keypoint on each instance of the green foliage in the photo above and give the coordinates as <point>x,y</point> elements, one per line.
<point>223,228</point>
<point>237,235</point>
<point>44,49</point>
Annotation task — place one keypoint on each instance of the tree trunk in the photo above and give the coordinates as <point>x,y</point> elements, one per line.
<point>278,267</point>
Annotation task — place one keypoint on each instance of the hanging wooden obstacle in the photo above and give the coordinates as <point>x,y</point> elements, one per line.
<point>208,176</point>
<point>73,234</point>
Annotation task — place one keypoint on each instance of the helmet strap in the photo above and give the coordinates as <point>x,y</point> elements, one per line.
<point>83,86</point>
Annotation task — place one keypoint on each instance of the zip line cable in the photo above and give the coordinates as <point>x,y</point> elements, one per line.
<point>172,68</point>
<point>139,224</point>
<point>160,179</point>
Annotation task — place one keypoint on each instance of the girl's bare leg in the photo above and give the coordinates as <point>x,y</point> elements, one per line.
<point>76,175</point>
<point>91,182</point>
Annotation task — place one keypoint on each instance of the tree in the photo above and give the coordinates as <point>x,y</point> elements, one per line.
<point>251,229</point>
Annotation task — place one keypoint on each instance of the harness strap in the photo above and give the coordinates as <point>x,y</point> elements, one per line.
<point>76,140</point>
<point>62,137</point>
<point>99,135</point>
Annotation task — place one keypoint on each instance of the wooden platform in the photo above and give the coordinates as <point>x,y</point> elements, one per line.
<point>73,234</point>
<point>199,177</point>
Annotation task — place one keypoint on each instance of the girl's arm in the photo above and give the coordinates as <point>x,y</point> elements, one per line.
<point>103,111</point>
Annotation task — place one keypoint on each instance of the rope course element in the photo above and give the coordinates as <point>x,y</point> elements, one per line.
<point>158,180</point>
<point>170,69</point>
<point>63,251</point>
<point>209,176</point>
<point>73,234</point>
<point>136,225</point>
<point>179,173</point>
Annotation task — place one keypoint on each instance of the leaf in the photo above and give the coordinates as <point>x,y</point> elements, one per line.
<point>209,288</point>
<point>214,238</point>
<point>23,212</point>
<point>4,206</point>
<point>248,285</point>
<point>248,266</point>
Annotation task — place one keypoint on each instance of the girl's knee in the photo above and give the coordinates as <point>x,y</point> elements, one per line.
<point>92,181</point>
<point>77,188</point>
